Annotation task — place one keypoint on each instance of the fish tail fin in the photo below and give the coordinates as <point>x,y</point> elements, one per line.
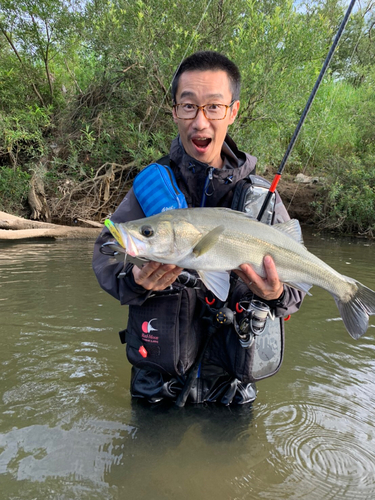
<point>355,312</point>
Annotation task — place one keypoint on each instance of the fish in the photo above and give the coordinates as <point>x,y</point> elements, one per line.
<point>215,241</point>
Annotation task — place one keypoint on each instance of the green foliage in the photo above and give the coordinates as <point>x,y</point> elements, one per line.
<point>21,135</point>
<point>87,83</point>
<point>348,204</point>
<point>14,184</point>
<point>41,37</point>
<point>355,57</point>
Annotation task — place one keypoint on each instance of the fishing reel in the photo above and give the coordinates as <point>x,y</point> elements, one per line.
<point>253,323</point>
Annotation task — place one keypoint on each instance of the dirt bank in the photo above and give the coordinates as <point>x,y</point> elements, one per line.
<point>297,198</point>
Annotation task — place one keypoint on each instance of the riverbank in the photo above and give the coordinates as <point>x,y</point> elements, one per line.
<point>298,194</point>
<point>298,198</point>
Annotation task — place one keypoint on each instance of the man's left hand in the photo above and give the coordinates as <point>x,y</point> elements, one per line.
<point>268,288</point>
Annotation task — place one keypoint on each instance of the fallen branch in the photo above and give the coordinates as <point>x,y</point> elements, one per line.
<point>17,228</point>
<point>8,221</point>
<point>91,222</point>
<point>63,232</point>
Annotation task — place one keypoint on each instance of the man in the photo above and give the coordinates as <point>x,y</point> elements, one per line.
<point>207,166</point>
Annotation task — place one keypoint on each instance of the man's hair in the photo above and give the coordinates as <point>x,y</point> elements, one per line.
<point>209,61</point>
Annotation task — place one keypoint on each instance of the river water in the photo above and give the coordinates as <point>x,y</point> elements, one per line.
<point>69,429</point>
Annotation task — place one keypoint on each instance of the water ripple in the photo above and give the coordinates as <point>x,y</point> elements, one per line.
<point>320,448</point>
<point>65,399</point>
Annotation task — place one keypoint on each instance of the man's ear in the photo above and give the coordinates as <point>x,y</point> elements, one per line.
<point>234,111</point>
<point>175,119</point>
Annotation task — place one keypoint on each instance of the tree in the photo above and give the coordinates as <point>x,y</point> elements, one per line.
<point>39,34</point>
<point>85,87</point>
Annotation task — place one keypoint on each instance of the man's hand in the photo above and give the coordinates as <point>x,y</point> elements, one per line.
<point>156,276</point>
<point>269,288</point>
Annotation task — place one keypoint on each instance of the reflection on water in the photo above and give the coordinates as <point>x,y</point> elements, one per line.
<point>69,430</point>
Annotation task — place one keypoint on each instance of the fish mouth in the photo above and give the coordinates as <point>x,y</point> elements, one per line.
<point>133,246</point>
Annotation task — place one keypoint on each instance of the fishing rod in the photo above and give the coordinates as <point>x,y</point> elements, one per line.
<point>305,111</point>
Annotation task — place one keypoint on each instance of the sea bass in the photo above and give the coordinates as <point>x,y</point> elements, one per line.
<point>214,241</point>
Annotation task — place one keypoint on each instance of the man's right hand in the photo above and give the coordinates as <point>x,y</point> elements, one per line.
<point>156,276</point>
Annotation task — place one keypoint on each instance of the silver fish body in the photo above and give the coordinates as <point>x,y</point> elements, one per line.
<point>216,240</point>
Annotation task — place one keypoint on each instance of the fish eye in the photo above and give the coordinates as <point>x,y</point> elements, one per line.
<point>147,231</point>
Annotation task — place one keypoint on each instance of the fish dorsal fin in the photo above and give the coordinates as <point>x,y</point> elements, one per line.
<point>208,241</point>
<point>292,229</point>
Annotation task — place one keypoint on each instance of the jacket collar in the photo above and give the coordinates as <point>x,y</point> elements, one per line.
<point>233,158</point>
<point>192,174</point>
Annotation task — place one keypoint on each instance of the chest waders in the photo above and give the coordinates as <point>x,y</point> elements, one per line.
<point>165,339</point>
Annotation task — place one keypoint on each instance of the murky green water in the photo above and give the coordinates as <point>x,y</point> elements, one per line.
<point>69,429</point>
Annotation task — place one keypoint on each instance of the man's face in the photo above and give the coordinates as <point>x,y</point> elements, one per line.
<point>202,138</point>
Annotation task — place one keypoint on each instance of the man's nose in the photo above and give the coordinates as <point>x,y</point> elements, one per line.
<point>200,121</point>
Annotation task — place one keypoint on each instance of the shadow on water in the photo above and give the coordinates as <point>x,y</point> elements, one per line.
<point>69,429</point>
<point>216,423</point>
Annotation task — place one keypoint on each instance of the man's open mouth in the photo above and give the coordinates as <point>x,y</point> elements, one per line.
<point>201,143</point>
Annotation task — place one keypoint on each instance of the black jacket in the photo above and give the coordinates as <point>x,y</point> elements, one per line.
<point>202,186</point>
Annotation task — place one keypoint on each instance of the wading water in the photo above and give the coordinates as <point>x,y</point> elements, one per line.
<point>69,428</point>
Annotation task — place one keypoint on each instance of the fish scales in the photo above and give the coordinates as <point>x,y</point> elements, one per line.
<point>216,240</point>
<point>248,244</point>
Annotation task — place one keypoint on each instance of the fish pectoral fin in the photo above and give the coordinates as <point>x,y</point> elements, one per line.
<point>217,282</point>
<point>291,228</point>
<point>302,287</point>
<point>208,241</point>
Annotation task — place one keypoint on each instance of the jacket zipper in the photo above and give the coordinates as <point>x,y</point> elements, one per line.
<point>209,178</point>
<point>171,181</point>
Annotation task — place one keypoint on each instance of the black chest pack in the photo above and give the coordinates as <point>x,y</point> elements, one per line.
<point>166,333</point>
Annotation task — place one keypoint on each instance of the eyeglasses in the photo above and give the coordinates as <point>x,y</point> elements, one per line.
<point>188,111</point>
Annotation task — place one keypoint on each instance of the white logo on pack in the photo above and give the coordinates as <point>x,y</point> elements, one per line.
<point>147,327</point>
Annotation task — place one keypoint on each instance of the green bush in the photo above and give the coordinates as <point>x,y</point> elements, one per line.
<point>14,185</point>
<point>22,135</point>
<point>85,86</point>
<point>348,202</point>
